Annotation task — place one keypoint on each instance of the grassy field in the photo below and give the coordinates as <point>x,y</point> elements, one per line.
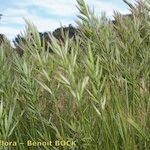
<point>90,94</point>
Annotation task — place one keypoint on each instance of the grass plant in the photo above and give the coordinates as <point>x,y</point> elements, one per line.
<point>94,90</point>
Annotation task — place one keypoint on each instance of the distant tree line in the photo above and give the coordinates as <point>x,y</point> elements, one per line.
<point>46,37</point>
<point>57,33</point>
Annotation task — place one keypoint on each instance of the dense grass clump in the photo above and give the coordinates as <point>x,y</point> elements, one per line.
<point>94,90</point>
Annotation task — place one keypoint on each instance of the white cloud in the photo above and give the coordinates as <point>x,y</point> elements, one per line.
<point>58,8</point>
<point>9,32</point>
<point>14,20</point>
<point>106,6</point>
<point>42,25</point>
<point>12,12</point>
<point>46,24</point>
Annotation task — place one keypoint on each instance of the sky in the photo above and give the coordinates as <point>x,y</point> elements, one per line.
<point>48,15</point>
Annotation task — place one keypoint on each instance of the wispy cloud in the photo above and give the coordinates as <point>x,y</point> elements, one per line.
<point>10,32</point>
<point>48,14</point>
<point>57,7</point>
<point>108,7</point>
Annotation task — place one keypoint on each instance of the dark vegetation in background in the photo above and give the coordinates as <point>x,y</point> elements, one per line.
<point>2,38</point>
<point>58,33</point>
<point>94,90</point>
<point>45,37</point>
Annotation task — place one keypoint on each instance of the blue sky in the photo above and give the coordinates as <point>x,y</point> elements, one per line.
<point>47,15</point>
